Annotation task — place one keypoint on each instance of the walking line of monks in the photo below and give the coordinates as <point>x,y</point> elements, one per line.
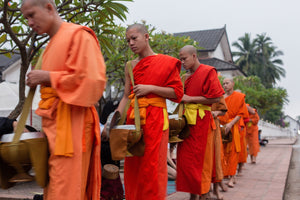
<point>72,81</point>
<point>203,158</point>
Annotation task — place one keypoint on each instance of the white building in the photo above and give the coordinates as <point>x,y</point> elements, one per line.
<point>9,90</point>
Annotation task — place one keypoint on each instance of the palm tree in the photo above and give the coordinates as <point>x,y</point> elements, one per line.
<point>268,68</point>
<point>245,54</point>
<point>259,58</point>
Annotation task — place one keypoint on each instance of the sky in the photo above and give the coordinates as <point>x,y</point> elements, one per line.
<point>279,19</point>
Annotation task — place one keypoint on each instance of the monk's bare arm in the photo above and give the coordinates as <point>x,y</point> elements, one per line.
<point>217,113</point>
<point>142,90</point>
<point>250,110</point>
<point>37,77</point>
<point>124,100</point>
<point>199,99</point>
<point>229,125</point>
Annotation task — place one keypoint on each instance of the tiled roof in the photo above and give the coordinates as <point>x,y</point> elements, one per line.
<point>221,65</point>
<point>5,61</point>
<point>208,39</point>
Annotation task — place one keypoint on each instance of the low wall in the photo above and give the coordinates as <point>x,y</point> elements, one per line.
<point>269,130</point>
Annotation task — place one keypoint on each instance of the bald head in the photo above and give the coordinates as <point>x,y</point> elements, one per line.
<point>139,27</point>
<point>229,79</point>
<point>228,85</point>
<point>39,2</point>
<point>189,49</point>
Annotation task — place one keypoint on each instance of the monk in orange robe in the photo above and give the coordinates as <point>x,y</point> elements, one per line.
<point>252,134</point>
<point>218,109</point>
<point>202,88</point>
<point>243,154</point>
<point>156,79</point>
<point>236,105</point>
<point>72,80</point>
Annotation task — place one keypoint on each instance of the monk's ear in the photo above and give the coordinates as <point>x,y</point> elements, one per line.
<point>50,7</point>
<point>147,36</point>
<point>195,56</point>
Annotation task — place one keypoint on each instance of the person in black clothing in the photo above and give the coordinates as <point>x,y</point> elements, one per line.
<point>110,189</point>
<point>7,125</point>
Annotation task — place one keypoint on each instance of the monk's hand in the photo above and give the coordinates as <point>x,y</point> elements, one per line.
<point>228,128</point>
<point>142,90</point>
<point>185,98</point>
<point>36,77</point>
<point>215,113</point>
<point>104,136</point>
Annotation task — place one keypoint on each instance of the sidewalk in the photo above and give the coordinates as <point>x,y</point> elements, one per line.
<point>264,180</point>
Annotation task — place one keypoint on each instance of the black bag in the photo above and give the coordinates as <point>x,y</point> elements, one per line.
<point>226,138</point>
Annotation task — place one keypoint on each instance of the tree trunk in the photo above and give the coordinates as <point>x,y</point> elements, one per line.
<point>24,67</point>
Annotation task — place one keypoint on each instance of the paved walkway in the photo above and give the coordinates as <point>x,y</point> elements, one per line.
<point>264,180</point>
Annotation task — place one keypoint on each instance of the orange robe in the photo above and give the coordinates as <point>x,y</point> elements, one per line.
<point>217,175</point>
<point>192,151</point>
<point>252,134</point>
<point>77,74</point>
<point>236,107</point>
<point>146,177</point>
<point>243,154</point>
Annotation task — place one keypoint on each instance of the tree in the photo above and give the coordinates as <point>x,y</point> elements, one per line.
<point>160,41</point>
<point>17,38</point>
<point>246,53</point>
<point>268,101</point>
<point>259,57</point>
<point>268,62</point>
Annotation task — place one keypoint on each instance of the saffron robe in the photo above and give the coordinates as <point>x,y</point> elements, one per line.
<point>77,74</point>
<point>242,129</point>
<point>146,177</point>
<point>236,107</point>
<point>252,134</point>
<point>191,152</point>
<point>217,175</point>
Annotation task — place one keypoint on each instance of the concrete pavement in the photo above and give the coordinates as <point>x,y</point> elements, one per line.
<point>292,186</point>
<point>264,180</point>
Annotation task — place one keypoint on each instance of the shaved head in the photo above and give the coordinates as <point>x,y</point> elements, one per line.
<point>39,2</point>
<point>228,85</point>
<point>139,27</point>
<point>189,49</point>
<point>229,79</point>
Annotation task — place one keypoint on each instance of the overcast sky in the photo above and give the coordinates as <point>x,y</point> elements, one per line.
<point>280,19</point>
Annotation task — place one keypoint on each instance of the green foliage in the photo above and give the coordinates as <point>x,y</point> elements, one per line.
<point>17,37</point>
<point>259,57</point>
<point>268,101</point>
<point>97,14</point>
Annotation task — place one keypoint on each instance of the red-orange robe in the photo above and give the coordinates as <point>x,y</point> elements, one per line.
<point>77,74</point>
<point>217,175</point>
<point>146,177</point>
<point>236,107</point>
<point>191,152</point>
<point>252,134</point>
